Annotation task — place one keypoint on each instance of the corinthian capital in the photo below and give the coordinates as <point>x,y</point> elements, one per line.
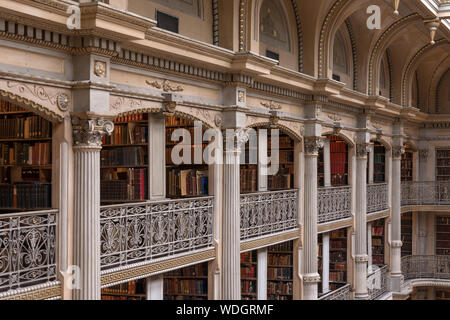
<point>235,139</point>
<point>89,132</point>
<point>362,149</point>
<point>397,152</point>
<point>313,145</point>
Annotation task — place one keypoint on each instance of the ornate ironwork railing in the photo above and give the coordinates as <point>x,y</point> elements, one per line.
<point>27,249</point>
<point>426,267</point>
<point>425,193</point>
<point>136,233</point>
<point>377,197</point>
<point>334,203</point>
<point>343,293</point>
<point>377,282</point>
<point>266,213</point>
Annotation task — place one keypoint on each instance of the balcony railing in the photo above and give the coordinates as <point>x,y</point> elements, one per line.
<point>342,293</point>
<point>377,197</point>
<point>27,249</point>
<point>137,233</point>
<point>334,203</point>
<point>425,193</point>
<point>377,283</point>
<point>426,267</point>
<point>267,213</point>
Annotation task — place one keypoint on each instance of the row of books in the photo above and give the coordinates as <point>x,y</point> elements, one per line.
<point>338,256</point>
<point>340,233</point>
<point>339,180</point>
<point>127,134</point>
<point>177,122</point>
<point>129,184</point>
<point>185,297</point>
<point>378,260</point>
<point>248,272</point>
<point>379,159</point>
<point>25,195</point>
<point>338,163</point>
<point>280,182</point>
<point>186,154</point>
<point>185,286</point>
<point>377,231</point>
<point>284,142</point>
<point>129,156</point>
<point>187,134</point>
<point>283,247</point>
<point>338,244</point>
<point>443,163</point>
<point>6,106</point>
<point>377,250</point>
<point>248,287</point>
<point>127,288</point>
<point>25,154</point>
<point>336,276</point>
<point>377,241</point>
<point>443,220</point>
<point>191,182</point>
<point>443,171</point>
<point>122,298</point>
<point>279,259</point>
<point>25,128</point>
<point>442,154</point>
<point>248,257</point>
<point>284,288</point>
<point>249,178</point>
<point>192,271</point>
<point>285,156</point>
<point>338,266</point>
<point>279,273</point>
<point>132,118</point>
<point>338,146</point>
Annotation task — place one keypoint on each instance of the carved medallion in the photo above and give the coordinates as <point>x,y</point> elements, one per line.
<point>62,101</point>
<point>100,69</point>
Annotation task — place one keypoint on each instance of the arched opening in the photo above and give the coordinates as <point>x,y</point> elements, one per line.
<point>25,160</point>
<point>336,157</point>
<point>341,61</point>
<point>443,94</point>
<point>376,168</point>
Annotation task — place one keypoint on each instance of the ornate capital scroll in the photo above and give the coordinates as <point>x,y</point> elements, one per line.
<point>423,154</point>
<point>311,278</point>
<point>362,149</point>
<point>313,145</point>
<point>397,152</point>
<point>89,132</point>
<point>234,140</point>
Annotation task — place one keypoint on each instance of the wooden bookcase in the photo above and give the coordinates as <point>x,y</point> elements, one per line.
<point>338,161</point>
<point>338,259</point>
<point>407,166</point>
<point>378,232</point>
<point>249,169</point>
<point>124,161</point>
<point>190,283</point>
<point>442,165</point>
<point>133,290</point>
<point>321,169</point>
<point>442,294</point>
<point>284,179</point>
<point>443,235</point>
<point>249,274</point>
<point>187,179</point>
<point>280,271</point>
<point>379,163</point>
<point>406,233</point>
<point>25,160</point>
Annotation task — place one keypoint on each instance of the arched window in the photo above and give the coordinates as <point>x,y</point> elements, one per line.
<point>341,58</point>
<point>443,94</point>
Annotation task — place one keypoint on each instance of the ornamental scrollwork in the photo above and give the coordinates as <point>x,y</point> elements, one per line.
<point>397,152</point>
<point>89,132</point>
<point>165,86</point>
<point>234,140</point>
<point>271,105</point>
<point>313,145</point>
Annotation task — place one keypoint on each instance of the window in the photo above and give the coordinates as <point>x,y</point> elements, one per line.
<point>272,55</point>
<point>336,77</point>
<point>167,22</point>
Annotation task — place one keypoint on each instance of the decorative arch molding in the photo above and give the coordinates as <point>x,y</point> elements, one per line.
<point>292,129</point>
<point>215,16</point>
<point>354,53</point>
<point>347,138</point>
<point>383,141</point>
<point>39,99</point>
<point>412,144</point>
<point>438,73</point>
<point>407,74</point>
<point>391,83</point>
<point>380,46</point>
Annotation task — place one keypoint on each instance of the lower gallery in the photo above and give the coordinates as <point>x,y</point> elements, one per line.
<point>224,150</point>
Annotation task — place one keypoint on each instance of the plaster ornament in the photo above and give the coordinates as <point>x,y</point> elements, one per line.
<point>62,101</point>
<point>100,69</point>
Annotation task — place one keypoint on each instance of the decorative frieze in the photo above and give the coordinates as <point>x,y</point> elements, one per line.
<point>89,132</point>
<point>165,86</point>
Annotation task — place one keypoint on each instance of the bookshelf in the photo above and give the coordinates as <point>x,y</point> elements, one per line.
<point>407,166</point>
<point>338,259</point>
<point>338,161</point>
<point>280,271</point>
<point>190,283</point>
<point>249,273</point>
<point>188,179</point>
<point>284,179</point>
<point>321,169</point>
<point>442,294</point>
<point>124,161</point>
<point>379,163</point>
<point>133,290</point>
<point>406,232</point>
<point>25,160</point>
<point>320,261</point>
<point>443,235</point>
<point>442,165</point>
<point>378,233</point>
<point>249,168</point>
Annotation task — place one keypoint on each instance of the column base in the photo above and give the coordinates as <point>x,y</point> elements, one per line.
<point>396,282</point>
<point>361,296</point>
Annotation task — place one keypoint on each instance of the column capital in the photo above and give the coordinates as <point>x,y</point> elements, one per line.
<point>89,132</point>
<point>234,139</point>
<point>396,244</point>
<point>312,145</point>
<point>397,152</point>
<point>362,149</point>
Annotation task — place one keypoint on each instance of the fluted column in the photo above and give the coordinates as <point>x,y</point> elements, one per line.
<point>311,275</point>
<point>231,286</point>
<point>361,256</point>
<point>87,135</point>
<point>396,243</point>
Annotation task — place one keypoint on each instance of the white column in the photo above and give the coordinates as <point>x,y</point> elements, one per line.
<point>327,163</point>
<point>396,243</point>
<point>325,262</point>
<point>231,286</point>
<point>361,257</point>
<point>157,156</point>
<point>369,246</point>
<point>371,163</point>
<point>262,274</point>
<point>155,287</point>
<point>311,276</point>
<point>87,135</point>
<point>262,160</point>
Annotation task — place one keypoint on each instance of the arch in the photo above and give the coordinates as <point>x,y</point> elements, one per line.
<point>342,135</point>
<point>273,34</point>
<point>342,50</point>
<point>30,105</point>
<point>445,76</point>
<point>434,83</point>
<point>385,143</point>
<point>294,136</point>
<point>412,144</point>
<point>407,78</point>
<point>380,46</point>
<point>354,53</point>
